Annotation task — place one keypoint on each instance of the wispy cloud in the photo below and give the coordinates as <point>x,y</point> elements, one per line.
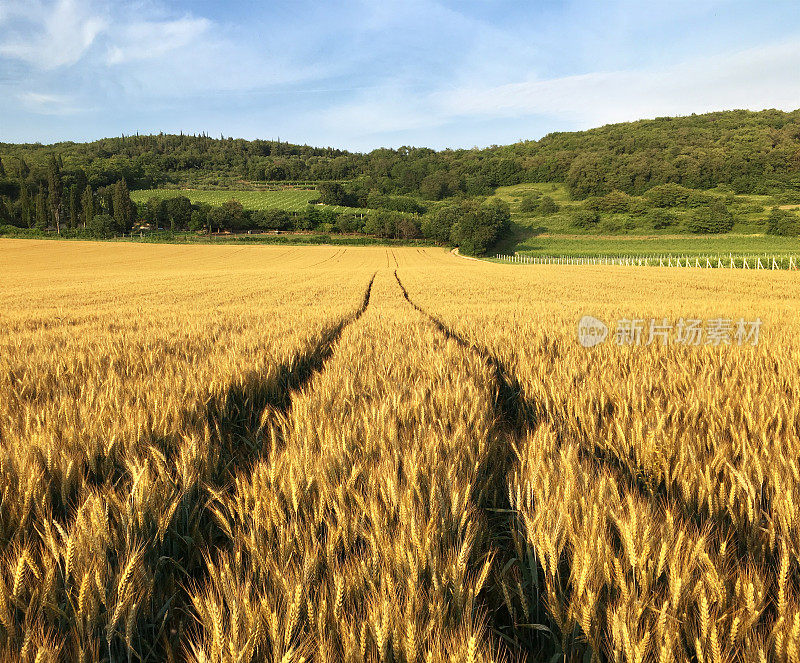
<point>47,104</point>
<point>49,36</point>
<point>757,78</point>
<point>151,40</point>
<point>751,79</point>
<point>361,74</point>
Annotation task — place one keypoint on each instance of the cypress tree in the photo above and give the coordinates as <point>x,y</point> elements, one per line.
<point>106,200</point>
<point>24,170</point>
<point>6,215</point>
<point>25,205</point>
<point>74,206</point>
<point>55,190</point>
<point>2,168</point>
<point>87,206</point>
<point>41,210</point>
<point>124,211</point>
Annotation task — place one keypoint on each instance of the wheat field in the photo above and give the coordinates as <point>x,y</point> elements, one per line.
<point>244,454</point>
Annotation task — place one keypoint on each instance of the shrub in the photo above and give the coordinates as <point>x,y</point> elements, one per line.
<point>787,198</point>
<point>661,218</point>
<point>783,222</point>
<point>101,226</point>
<point>750,208</point>
<point>349,223</point>
<point>668,195</point>
<point>584,218</point>
<point>479,226</point>
<point>530,202</point>
<point>697,199</point>
<point>615,202</point>
<point>638,207</point>
<point>548,206</point>
<point>272,219</point>
<point>376,200</point>
<point>716,218</point>
<point>438,225</point>
<point>592,203</point>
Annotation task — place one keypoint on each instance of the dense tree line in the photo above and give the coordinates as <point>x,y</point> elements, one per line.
<point>643,169</point>
<point>69,206</point>
<point>469,223</point>
<point>64,200</point>
<point>754,152</point>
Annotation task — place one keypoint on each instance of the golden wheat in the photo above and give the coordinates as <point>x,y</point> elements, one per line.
<point>239,454</point>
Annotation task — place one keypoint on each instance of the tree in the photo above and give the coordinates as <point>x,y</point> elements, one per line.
<point>586,176</point>
<point>381,223</point>
<point>309,218</point>
<point>55,191</point>
<point>6,213</point>
<point>530,202</point>
<point>2,168</point>
<point>547,206</point>
<point>154,211</point>
<point>199,219</point>
<point>87,206</point>
<point>327,216</point>
<point>407,227</point>
<point>783,222</point>
<point>102,226</point>
<point>716,218</point>
<point>41,210</point>
<point>661,218</point>
<point>333,193</point>
<point>178,212</point>
<point>28,217</point>
<point>479,226</point>
<point>585,218</point>
<point>23,169</point>
<point>124,210</point>
<point>437,185</point>
<point>228,216</point>
<point>272,219</point>
<point>74,206</point>
<point>349,223</point>
<point>439,224</point>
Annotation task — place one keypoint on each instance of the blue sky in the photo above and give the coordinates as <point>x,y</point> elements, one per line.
<point>361,75</point>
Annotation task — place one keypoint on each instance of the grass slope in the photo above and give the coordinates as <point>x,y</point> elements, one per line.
<point>289,199</point>
<point>629,235</point>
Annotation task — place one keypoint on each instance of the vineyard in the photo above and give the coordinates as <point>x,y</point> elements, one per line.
<point>249,453</point>
<point>291,199</point>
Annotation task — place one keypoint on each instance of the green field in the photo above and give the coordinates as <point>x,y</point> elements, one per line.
<point>630,235</point>
<point>648,246</point>
<point>289,199</point>
<point>747,220</point>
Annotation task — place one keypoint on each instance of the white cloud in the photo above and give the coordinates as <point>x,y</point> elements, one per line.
<point>47,104</point>
<point>54,35</point>
<point>754,79</point>
<point>146,40</point>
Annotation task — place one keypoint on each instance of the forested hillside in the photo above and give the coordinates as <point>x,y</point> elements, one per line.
<point>756,153</point>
